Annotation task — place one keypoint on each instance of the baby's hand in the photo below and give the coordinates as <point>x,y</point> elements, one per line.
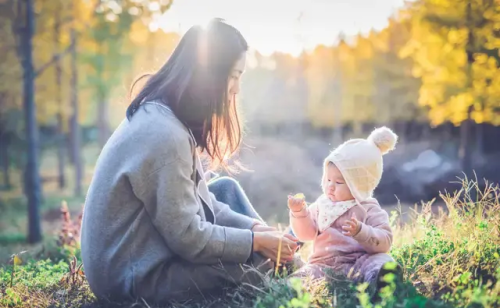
<point>352,226</point>
<point>296,203</point>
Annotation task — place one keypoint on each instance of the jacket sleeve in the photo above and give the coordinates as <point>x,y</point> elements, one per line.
<point>225,216</point>
<point>375,235</point>
<point>304,224</point>
<point>169,197</point>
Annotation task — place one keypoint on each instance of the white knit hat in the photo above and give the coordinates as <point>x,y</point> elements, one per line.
<point>360,161</point>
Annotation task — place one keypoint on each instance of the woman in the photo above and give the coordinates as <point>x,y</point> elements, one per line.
<point>152,228</point>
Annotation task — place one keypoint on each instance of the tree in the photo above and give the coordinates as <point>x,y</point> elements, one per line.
<point>52,45</point>
<point>23,25</point>
<point>454,46</point>
<point>10,90</point>
<point>32,177</point>
<point>396,89</point>
<point>59,98</point>
<point>362,82</point>
<point>75,128</point>
<point>105,51</point>
<point>321,66</point>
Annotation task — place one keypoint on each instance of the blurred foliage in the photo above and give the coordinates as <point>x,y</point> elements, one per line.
<point>414,69</point>
<point>452,260</point>
<point>442,33</point>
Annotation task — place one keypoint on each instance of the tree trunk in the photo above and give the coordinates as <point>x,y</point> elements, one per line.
<point>102,121</point>
<point>426,132</point>
<point>70,142</point>
<point>102,107</point>
<point>465,151</point>
<point>61,151</point>
<point>32,176</point>
<point>357,128</point>
<point>465,148</point>
<point>336,90</point>
<point>75,128</point>
<point>5,162</point>
<point>479,139</point>
<point>449,132</point>
<point>151,49</point>
<point>60,116</point>
<point>337,134</point>
<point>337,119</point>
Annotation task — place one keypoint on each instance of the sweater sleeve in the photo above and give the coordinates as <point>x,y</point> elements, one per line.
<point>169,198</point>
<point>225,216</point>
<point>375,235</point>
<point>304,224</point>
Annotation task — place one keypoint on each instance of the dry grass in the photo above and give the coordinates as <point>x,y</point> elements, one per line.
<point>455,255</point>
<point>450,259</point>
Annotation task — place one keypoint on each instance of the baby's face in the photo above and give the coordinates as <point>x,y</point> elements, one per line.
<point>335,187</point>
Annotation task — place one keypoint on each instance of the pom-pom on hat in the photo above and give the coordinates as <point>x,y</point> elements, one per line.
<point>360,161</point>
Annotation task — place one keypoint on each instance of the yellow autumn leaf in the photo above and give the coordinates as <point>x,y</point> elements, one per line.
<point>17,260</point>
<point>299,196</point>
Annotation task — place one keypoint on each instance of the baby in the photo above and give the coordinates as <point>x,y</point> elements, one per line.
<point>350,231</point>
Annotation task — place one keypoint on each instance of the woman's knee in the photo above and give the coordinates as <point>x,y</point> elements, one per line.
<point>228,183</point>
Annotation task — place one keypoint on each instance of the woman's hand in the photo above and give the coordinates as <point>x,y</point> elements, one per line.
<point>296,203</point>
<point>267,244</point>
<point>352,226</point>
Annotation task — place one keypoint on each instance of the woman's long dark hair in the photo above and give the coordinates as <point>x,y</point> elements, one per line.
<point>193,84</point>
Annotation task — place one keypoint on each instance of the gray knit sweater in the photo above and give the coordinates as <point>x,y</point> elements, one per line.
<point>148,207</point>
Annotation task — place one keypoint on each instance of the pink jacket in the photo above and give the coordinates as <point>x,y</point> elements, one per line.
<point>332,247</point>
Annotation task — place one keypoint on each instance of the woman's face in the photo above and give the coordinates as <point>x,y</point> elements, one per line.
<point>233,87</point>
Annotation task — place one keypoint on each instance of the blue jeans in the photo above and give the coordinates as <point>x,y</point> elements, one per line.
<point>227,190</point>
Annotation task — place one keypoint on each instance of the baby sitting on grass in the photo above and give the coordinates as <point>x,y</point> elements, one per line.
<point>350,232</point>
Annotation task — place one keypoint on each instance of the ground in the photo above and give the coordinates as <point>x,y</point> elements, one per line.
<point>450,258</point>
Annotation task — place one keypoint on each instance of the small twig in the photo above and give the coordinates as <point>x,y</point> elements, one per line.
<point>54,59</point>
<point>145,303</point>
<point>15,258</point>
<point>253,287</point>
<point>12,275</point>
<point>279,252</point>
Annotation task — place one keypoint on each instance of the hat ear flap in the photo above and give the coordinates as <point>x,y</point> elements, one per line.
<point>324,179</point>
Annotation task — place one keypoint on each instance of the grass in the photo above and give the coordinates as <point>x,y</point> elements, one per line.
<point>13,204</point>
<point>450,260</point>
